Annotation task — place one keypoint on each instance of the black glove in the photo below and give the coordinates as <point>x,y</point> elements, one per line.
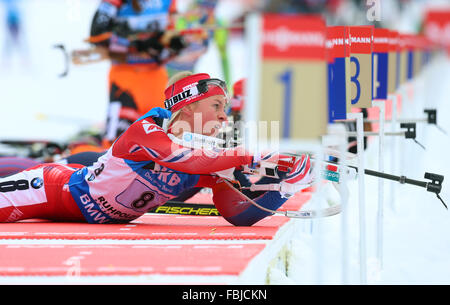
<point>177,44</point>
<point>151,45</point>
<point>121,28</point>
<point>155,48</point>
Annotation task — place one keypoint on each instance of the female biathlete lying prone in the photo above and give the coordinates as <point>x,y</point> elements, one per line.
<point>147,166</point>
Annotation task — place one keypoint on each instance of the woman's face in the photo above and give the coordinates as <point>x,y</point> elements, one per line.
<point>208,114</point>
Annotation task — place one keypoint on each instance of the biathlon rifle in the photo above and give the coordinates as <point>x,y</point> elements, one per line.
<point>172,207</point>
<point>332,171</point>
<point>98,54</point>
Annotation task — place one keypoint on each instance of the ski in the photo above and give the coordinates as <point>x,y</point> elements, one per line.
<point>183,208</point>
<point>205,209</point>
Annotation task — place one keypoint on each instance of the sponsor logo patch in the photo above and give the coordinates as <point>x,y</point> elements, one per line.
<point>37,183</point>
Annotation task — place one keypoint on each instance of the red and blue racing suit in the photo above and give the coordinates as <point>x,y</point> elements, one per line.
<point>143,168</point>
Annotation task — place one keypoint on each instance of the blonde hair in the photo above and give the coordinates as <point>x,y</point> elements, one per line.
<point>176,77</point>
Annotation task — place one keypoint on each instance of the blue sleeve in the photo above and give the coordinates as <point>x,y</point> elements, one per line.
<point>156,113</point>
<point>240,212</point>
<point>253,214</point>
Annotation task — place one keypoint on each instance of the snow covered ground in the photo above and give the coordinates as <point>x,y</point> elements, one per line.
<point>35,103</point>
<point>416,224</point>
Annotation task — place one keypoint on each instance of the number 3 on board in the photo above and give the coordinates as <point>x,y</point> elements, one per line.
<point>354,79</point>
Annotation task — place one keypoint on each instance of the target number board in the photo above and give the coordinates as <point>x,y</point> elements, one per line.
<point>290,80</point>
<point>361,47</point>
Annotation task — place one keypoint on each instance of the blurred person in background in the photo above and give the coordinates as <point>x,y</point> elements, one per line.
<point>133,33</point>
<point>14,40</point>
<point>295,6</point>
<point>197,15</point>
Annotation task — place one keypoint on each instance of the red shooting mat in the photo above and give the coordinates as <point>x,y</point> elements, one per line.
<point>150,226</point>
<point>156,226</point>
<point>109,260</point>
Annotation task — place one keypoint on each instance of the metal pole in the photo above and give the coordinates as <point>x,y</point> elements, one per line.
<point>422,120</point>
<point>393,148</point>
<point>318,232</point>
<point>379,249</point>
<point>361,196</point>
<point>372,133</point>
<point>337,137</point>
<point>342,141</point>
